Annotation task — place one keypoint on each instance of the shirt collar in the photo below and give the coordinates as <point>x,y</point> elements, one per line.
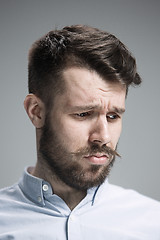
<point>36,189</point>
<point>32,187</point>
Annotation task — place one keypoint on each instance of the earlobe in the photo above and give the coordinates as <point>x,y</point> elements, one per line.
<point>35,109</point>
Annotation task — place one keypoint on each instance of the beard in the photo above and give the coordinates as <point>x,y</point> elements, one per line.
<point>71,167</point>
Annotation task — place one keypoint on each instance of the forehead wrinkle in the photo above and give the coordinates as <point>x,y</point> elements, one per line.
<point>111,87</point>
<point>93,93</point>
<point>103,90</point>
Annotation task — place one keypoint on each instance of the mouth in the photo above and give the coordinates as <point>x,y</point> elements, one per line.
<point>97,159</point>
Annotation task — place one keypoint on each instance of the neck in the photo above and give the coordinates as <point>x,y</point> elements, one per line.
<point>71,196</point>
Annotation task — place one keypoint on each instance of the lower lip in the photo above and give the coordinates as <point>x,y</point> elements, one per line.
<point>97,160</point>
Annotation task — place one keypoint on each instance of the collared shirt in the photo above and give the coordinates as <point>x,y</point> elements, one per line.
<point>29,210</point>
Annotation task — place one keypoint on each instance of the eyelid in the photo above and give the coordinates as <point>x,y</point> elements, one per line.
<point>86,114</point>
<point>113,113</point>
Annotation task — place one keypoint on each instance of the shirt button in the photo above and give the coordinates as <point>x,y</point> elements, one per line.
<point>45,187</point>
<point>39,199</point>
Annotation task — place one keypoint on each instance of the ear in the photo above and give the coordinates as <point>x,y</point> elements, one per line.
<point>35,109</point>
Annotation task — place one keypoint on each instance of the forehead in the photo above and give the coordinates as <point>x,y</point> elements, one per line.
<point>84,86</point>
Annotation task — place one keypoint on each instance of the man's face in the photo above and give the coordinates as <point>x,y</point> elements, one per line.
<point>83,128</point>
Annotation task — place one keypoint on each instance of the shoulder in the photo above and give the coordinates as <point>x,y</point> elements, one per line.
<point>116,197</point>
<point>10,197</point>
<point>133,203</point>
<point>7,192</point>
<point>130,203</point>
<point>130,195</point>
<point>129,212</point>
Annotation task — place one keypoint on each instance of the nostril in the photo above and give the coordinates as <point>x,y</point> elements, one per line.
<point>97,141</point>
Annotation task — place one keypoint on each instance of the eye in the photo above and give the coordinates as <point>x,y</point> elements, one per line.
<point>112,117</point>
<point>82,115</point>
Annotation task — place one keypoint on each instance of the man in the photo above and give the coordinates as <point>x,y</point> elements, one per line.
<point>78,81</point>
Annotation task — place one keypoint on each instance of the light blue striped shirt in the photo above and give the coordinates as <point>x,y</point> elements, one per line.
<point>29,210</point>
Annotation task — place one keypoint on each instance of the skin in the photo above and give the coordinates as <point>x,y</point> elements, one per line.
<point>88,112</point>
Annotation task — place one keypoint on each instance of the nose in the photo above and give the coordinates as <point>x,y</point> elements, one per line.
<point>100,132</point>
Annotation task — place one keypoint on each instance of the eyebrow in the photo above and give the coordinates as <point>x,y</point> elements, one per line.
<point>117,110</point>
<point>94,107</point>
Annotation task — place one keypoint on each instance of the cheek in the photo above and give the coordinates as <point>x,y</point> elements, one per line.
<point>115,134</point>
<point>73,135</point>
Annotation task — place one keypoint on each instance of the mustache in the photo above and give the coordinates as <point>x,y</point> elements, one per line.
<point>94,149</point>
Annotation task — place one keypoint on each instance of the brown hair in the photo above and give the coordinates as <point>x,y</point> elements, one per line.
<point>81,46</point>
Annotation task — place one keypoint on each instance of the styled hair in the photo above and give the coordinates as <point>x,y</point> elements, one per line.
<point>78,46</point>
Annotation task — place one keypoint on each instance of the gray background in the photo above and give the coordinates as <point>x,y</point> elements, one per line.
<point>137,24</point>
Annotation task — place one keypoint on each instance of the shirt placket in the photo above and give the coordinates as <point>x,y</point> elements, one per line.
<point>73,227</point>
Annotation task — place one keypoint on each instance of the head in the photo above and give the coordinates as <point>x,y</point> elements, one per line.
<point>78,46</point>
<point>78,80</point>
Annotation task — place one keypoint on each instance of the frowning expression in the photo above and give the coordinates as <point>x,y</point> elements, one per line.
<point>85,119</point>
